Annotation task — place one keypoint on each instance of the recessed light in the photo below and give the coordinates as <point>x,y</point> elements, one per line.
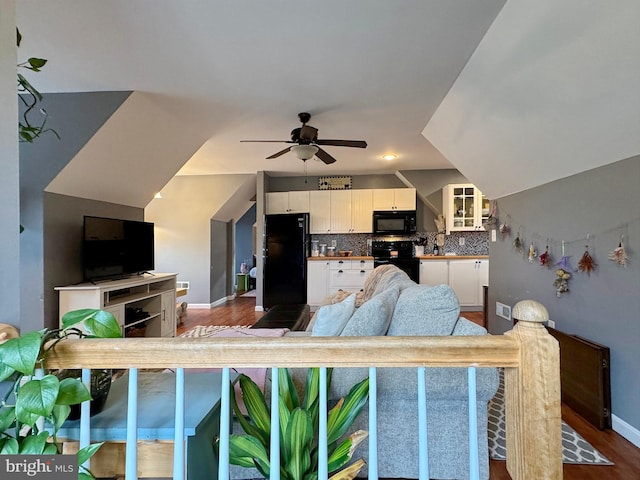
<point>157,195</point>
<point>389,156</point>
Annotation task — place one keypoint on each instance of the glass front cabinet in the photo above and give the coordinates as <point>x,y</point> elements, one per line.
<point>466,208</point>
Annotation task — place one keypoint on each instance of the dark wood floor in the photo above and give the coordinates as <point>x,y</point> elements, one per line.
<point>621,452</point>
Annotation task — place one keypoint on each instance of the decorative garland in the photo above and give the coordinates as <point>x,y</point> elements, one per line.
<point>563,274</point>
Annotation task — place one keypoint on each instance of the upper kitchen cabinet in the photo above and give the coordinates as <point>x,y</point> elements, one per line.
<point>394,199</point>
<point>287,202</point>
<point>341,211</point>
<point>465,207</point>
<point>351,211</point>
<point>320,211</point>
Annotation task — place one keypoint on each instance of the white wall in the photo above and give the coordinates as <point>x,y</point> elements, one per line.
<point>9,180</point>
<point>183,225</point>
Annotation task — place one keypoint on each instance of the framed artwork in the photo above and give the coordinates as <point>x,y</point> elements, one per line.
<point>334,183</point>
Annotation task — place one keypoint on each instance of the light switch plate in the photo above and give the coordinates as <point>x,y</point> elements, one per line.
<point>493,235</point>
<point>461,241</point>
<point>503,311</point>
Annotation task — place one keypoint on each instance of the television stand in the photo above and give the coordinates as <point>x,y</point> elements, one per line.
<point>124,298</point>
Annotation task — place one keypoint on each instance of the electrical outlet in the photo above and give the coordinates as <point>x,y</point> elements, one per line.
<point>334,243</point>
<point>493,235</point>
<point>461,241</point>
<point>551,324</point>
<point>503,311</point>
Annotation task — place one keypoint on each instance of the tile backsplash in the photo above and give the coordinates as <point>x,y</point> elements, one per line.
<point>475,243</point>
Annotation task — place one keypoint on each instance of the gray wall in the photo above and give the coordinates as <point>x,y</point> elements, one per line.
<point>219,261</point>
<point>244,239</point>
<point>75,117</point>
<point>9,196</point>
<point>62,246</point>
<point>286,184</point>
<point>604,204</point>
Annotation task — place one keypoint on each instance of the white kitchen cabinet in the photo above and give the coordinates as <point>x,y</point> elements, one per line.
<point>466,208</point>
<point>326,277</point>
<point>340,211</point>
<point>434,272</point>
<point>348,275</point>
<point>362,211</point>
<point>317,281</point>
<point>320,211</point>
<point>287,202</point>
<point>467,277</point>
<point>351,211</point>
<point>394,199</point>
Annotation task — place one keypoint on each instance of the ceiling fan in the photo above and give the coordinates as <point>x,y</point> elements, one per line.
<point>308,143</point>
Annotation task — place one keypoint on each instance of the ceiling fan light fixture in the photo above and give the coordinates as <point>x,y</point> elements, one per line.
<point>389,156</point>
<point>304,152</point>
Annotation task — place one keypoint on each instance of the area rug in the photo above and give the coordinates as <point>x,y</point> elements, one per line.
<point>575,449</point>
<point>210,330</point>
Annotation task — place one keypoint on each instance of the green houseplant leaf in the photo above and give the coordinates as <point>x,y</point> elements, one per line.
<point>298,428</point>
<point>45,398</point>
<point>22,353</point>
<point>97,323</point>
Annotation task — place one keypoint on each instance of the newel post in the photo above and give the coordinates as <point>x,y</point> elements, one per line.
<point>532,399</point>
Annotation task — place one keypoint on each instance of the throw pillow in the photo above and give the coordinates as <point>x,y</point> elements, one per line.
<point>373,317</point>
<point>331,319</point>
<point>423,310</point>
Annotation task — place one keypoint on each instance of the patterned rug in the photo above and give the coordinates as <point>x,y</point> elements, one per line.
<point>209,330</point>
<point>575,449</point>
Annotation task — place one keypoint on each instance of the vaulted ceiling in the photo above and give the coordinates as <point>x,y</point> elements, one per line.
<point>513,94</point>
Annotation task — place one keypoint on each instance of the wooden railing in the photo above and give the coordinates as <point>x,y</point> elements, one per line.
<point>528,353</point>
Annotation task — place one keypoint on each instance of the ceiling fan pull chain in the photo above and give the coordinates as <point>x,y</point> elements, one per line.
<point>305,171</point>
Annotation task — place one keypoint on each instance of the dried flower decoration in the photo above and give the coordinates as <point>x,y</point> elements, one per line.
<point>564,261</point>
<point>532,253</point>
<point>561,282</point>
<point>619,255</point>
<point>545,257</point>
<point>517,244</point>
<point>586,263</point>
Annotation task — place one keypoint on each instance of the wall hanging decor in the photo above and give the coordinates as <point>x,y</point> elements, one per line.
<point>545,257</point>
<point>334,183</point>
<point>564,262</point>
<point>586,263</point>
<point>517,243</point>
<point>619,255</point>
<point>561,282</point>
<point>532,253</point>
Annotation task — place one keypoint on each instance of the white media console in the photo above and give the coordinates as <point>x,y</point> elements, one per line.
<point>143,305</point>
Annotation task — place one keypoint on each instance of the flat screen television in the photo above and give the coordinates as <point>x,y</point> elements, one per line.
<point>116,248</point>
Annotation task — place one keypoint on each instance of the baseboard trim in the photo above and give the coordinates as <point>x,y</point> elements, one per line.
<point>259,308</point>
<point>627,431</point>
<point>207,306</point>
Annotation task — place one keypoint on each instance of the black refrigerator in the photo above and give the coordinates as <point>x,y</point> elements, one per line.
<point>285,263</point>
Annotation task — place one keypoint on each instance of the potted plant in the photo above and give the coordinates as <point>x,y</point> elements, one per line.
<point>33,398</point>
<point>298,429</point>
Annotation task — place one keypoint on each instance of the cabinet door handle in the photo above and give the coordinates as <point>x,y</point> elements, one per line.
<point>362,271</point>
<point>340,271</point>
<point>340,261</point>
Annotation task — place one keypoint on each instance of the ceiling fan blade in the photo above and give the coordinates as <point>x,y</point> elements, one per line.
<point>281,152</point>
<point>324,156</point>
<point>267,141</point>
<point>343,143</point>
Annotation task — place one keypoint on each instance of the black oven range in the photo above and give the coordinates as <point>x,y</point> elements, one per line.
<point>398,253</point>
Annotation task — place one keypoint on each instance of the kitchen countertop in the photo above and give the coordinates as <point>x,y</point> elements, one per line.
<point>453,257</point>
<point>352,257</point>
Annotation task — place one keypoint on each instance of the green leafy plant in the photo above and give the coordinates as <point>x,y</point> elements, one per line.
<point>298,429</point>
<point>34,409</point>
<point>27,129</point>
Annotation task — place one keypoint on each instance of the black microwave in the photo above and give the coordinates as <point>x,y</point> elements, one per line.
<point>394,222</point>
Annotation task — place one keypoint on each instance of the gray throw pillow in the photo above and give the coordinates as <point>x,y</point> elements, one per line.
<point>331,319</point>
<point>425,311</point>
<point>373,317</point>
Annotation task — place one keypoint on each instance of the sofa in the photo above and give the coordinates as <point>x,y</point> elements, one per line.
<point>392,304</point>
